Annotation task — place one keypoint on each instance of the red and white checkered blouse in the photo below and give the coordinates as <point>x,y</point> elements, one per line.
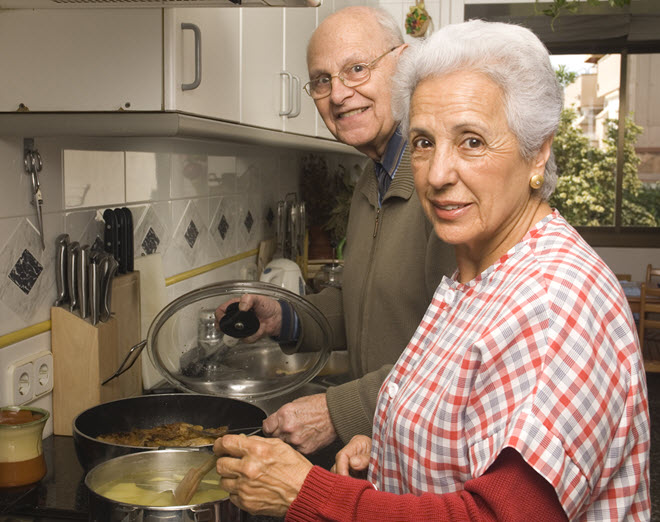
<point>538,353</point>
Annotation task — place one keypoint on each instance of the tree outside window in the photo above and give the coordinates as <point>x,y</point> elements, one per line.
<point>586,145</point>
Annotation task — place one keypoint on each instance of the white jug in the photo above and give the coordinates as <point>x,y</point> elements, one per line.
<point>285,273</point>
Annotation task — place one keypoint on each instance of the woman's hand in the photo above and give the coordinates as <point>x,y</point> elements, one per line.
<point>262,476</point>
<point>267,310</point>
<point>353,459</point>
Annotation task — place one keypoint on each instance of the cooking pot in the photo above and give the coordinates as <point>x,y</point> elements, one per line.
<point>148,411</point>
<point>169,464</point>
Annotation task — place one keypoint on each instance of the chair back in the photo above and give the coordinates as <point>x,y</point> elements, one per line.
<point>651,273</point>
<point>649,319</point>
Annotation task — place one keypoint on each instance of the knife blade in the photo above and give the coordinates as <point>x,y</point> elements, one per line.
<point>61,244</point>
<point>73,251</point>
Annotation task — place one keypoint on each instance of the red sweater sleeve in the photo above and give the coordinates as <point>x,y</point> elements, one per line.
<point>509,490</point>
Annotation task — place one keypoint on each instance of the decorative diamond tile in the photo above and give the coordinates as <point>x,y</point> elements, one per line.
<point>223,227</point>
<point>27,276</point>
<point>191,234</point>
<point>26,271</point>
<point>248,222</point>
<point>150,242</point>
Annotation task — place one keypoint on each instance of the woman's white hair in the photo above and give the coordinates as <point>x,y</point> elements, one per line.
<point>512,57</point>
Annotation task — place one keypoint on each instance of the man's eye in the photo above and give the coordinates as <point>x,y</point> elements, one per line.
<point>357,69</point>
<point>421,143</point>
<point>323,80</point>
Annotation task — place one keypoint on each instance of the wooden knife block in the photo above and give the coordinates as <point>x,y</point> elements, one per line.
<point>84,355</point>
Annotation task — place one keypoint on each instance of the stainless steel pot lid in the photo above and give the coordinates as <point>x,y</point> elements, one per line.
<point>187,349</point>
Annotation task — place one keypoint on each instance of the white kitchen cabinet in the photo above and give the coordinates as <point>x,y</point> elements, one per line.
<point>81,60</point>
<point>274,69</point>
<point>202,62</point>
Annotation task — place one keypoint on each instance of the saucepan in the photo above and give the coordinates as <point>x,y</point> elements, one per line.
<point>129,488</point>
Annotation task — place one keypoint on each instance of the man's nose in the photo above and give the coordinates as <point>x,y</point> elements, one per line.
<point>339,91</point>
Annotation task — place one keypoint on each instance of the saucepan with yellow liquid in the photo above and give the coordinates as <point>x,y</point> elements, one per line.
<point>140,487</point>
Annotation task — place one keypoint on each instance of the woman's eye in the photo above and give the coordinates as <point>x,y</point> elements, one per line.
<point>473,143</point>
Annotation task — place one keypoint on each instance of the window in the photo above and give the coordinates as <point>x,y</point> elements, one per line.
<point>609,62</point>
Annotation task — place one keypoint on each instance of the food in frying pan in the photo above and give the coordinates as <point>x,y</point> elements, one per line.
<point>177,434</point>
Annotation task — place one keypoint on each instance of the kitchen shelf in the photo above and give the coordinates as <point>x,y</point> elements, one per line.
<point>160,124</point>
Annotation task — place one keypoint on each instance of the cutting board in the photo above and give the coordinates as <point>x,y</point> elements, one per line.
<point>84,355</point>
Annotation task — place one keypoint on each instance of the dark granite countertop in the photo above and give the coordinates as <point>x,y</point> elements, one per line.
<point>62,495</point>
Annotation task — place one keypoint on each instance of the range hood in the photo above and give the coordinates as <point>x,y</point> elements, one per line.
<point>50,4</point>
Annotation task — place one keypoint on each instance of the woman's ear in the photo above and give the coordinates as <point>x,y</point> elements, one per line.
<point>542,156</point>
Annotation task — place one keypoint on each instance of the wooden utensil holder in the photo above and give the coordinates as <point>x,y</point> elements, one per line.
<point>84,355</point>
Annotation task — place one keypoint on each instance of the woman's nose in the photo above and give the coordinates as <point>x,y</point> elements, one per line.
<point>442,169</point>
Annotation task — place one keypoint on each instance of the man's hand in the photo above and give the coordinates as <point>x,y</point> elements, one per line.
<point>267,310</point>
<point>304,423</point>
<point>353,459</point>
<point>262,476</point>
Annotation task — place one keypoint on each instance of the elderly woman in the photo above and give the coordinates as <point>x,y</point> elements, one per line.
<point>522,394</point>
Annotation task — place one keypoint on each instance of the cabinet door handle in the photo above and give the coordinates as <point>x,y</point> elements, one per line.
<point>286,110</point>
<point>198,57</point>
<point>296,89</point>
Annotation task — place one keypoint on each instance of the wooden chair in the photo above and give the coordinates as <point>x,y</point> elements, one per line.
<point>651,273</point>
<point>649,319</point>
<point>623,277</point>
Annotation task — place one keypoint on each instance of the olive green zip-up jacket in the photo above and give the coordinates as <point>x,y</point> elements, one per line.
<point>393,264</point>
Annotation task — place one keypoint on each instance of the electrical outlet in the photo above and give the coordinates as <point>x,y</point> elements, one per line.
<point>43,373</point>
<point>22,379</point>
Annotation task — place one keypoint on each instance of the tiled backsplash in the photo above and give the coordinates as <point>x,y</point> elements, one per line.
<point>194,202</point>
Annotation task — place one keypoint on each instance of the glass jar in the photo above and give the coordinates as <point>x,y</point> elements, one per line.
<point>21,452</point>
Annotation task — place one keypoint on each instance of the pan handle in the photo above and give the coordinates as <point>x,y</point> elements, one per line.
<point>125,365</point>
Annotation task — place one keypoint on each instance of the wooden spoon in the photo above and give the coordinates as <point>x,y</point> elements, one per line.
<point>190,482</point>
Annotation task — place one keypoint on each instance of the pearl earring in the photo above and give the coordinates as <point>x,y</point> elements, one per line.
<point>536,181</point>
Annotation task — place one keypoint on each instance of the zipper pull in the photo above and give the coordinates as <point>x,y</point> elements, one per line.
<point>377,219</point>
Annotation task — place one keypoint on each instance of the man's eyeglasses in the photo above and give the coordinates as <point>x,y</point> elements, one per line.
<point>351,76</point>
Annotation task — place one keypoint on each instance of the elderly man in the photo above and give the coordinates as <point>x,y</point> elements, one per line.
<point>393,260</point>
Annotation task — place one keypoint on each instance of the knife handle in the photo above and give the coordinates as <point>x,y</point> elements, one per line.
<point>123,240</point>
<point>61,244</point>
<point>94,291</point>
<point>73,251</point>
<point>128,239</point>
<point>109,271</point>
<point>111,233</point>
<point>81,279</point>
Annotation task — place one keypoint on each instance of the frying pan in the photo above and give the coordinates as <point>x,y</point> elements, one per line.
<point>148,411</point>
